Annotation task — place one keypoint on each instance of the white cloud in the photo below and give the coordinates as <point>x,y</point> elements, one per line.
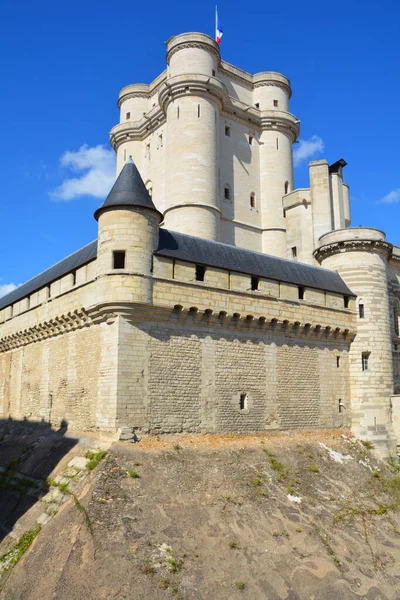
<point>307,149</point>
<point>6,288</point>
<point>392,197</point>
<point>95,169</point>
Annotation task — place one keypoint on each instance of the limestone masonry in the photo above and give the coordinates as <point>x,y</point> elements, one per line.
<point>217,298</point>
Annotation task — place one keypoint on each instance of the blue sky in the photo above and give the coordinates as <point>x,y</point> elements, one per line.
<point>64,63</point>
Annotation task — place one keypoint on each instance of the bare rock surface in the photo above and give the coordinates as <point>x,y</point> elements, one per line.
<point>228,517</point>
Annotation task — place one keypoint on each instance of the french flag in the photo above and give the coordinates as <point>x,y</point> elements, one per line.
<point>218,29</point>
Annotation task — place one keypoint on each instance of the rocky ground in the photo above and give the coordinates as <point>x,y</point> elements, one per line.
<point>289,517</point>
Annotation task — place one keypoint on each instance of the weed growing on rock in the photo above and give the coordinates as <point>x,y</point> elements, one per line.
<point>233,545</point>
<point>240,585</point>
<point>367,444</point>
<point>10,558</point>
<point>314,468</point>
<point>133,474</point>
<point>94,458</point>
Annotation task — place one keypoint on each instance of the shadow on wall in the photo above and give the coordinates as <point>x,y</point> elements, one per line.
<point>29,451</point>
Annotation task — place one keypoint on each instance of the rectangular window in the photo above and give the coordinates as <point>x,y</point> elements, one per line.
<point>277,144</point>
<point>338,361</point>
<point>213,72</point>
<point>301,292</point>
<point>294,251</point>
<point>346,301</point>
<point>198,111</point>
<point>255,283</point>
<point>251,138</point>
<point>276,103</point>
<point>128,116</point>
<point>73,277</point>
<point>361,311</point>
<point>200,272</point>
<point>365,360</point>
<point>340,405</point>
<point>227,130</point>
<point>119,259</point>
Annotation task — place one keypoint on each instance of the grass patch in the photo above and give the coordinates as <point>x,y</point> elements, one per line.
<point>173,564</point>
<point>240,585</point>
<point>10,558</point>
<point>94,458</point>
<point>314,468</point>
<point>233,545</point>
<point>367,444</point>
<point>256,482</point>
<point>133,474</point>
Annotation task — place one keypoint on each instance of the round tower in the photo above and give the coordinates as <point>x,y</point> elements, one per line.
<point>126,137</point>
<point>128,235</point>
<point>279,129</point>
<point>360,255</point>
<point>191,99</point>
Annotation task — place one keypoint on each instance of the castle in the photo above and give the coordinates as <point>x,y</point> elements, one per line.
<point>217,298</point>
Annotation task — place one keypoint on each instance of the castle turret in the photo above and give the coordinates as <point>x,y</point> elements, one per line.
<point>128,235</point>
<point>191,98</point>
<point>279,129</point>
<point>360,256</point>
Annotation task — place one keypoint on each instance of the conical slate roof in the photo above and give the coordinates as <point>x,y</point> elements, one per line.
<point>128,190</point>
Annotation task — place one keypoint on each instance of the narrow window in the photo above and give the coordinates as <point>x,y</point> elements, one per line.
<point>346,301</point>
<point>198,111</point>
<point>361,312</point>
<point>227,192</point>
<point>338,361</point>
<point>294,251</point>
<point>48,291</point>
<point>177,113</point>
<point>277,144</point>
<point>340,405</point>
<point>73,277</point>
<point>213,72</point>
<point>257,105</point>
<point>365,360</point>
<point>286,187</point>
<point>200,272</point>
<point>251,138</point>
<point>252,200</point>
<point>243,402</point>
<point>128,116</point>
<point>119,259</point>
<point>227,130</point>
<point>160,141</point>
<point>276,103</point>
<point>301,292</point>
<point>148,151</point>
<point>28,302</point>
<point>255,283</point>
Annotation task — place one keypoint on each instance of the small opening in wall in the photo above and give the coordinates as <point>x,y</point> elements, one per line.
<point>346,301</point>
<point>252,200</point>
<point>365,360</point>
<point>213,72</point>
<point>160,141</point>
<point>200,272</point>
<point>340,407</point>
<point>361,312</point>
<point>301,292</point>
<point>227,192</point>
<point>227,130</point>
<point>198,111</point>
<point>148,151</point>
<point>177,113</point>
<point>28,302</point>
<point>277,144</point>
<point>251,138</point>
<point>243,402</point>
<point>338,361</point>
<point>255,283</point>
<point>294,251</point>
<point>48,291</point>
<point>73,277</point>
<point>119,259</point>
<point>128,116</point>
<point>276,103</point>
<point>257,105</point>
<point>286,187</point>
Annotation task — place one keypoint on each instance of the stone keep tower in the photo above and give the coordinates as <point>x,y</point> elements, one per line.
<point>213,144</point>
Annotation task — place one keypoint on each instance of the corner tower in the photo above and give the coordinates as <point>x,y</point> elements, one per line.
<point>191,100</point>
<point>128,235</point>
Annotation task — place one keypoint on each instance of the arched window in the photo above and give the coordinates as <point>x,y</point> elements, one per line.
<point>361,308</point>
<point>227,192</point>
<point>252,200</point>
<point>396,316</point>
<point>286,187</point>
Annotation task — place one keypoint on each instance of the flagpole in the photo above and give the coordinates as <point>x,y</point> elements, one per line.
<point>216,22</point>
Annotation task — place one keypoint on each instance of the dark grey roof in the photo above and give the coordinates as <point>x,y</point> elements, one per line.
<point>225,256</point>
<point>128,190</point>
<point>200,251</point>
<point>65,266</point>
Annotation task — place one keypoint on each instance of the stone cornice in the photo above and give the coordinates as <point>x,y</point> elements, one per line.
<point>195,85</point>
<point>354,245</point>
<point>199,45</point>
<point>279,84</point>
<point>59,325</point>
<point>280,121</point>
<point>136,130</point>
